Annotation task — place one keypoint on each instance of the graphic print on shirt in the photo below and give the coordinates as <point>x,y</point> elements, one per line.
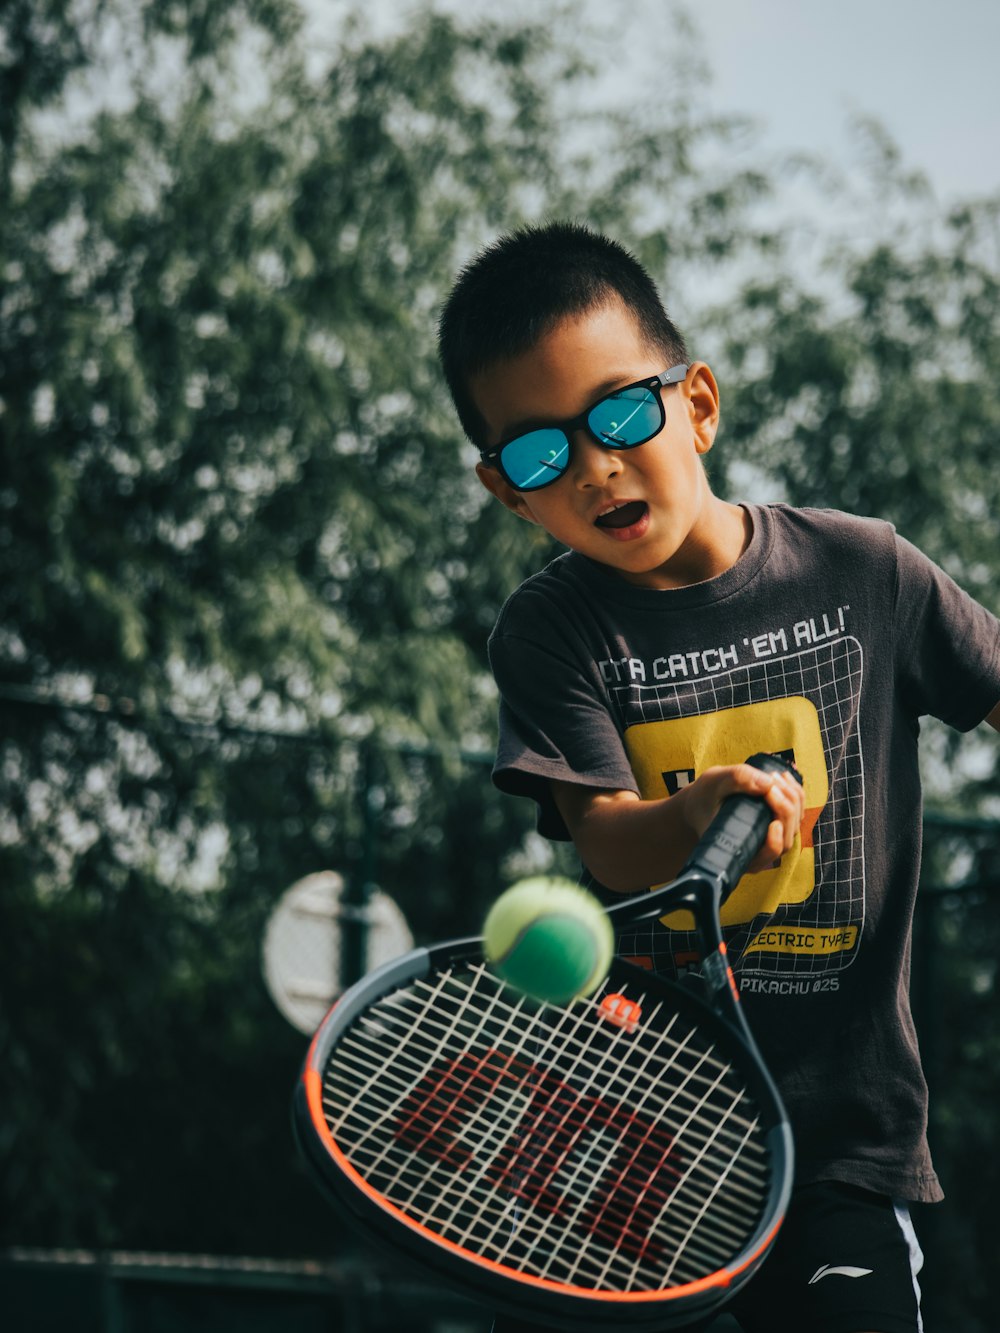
<point>802,920</point>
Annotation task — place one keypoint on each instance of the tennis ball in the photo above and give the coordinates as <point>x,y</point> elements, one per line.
<point>549,938</point>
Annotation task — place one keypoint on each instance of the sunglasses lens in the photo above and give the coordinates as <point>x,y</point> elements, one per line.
<point>533,460</point>
<point>623,420</point>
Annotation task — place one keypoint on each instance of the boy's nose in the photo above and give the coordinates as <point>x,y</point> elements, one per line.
<point>592,464</point>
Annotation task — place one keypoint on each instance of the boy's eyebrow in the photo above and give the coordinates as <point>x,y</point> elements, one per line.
<point>601,390</point>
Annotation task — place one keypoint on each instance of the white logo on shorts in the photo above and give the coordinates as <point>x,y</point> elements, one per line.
<point>845,1270</point>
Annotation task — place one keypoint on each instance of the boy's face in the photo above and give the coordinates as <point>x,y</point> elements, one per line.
<point>670,530</point>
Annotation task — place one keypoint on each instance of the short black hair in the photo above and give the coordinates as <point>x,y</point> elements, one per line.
<point>523,284</point>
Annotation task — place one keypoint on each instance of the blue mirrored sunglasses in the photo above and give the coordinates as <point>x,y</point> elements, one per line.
<point>621,420</point>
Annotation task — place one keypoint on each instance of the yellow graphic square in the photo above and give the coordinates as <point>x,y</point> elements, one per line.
<point>668,753</point>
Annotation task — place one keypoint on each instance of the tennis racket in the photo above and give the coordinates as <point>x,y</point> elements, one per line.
<point>623,1162</point>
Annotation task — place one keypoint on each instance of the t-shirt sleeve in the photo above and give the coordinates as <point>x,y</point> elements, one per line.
<point>555,723</point>
<point>947,644</point>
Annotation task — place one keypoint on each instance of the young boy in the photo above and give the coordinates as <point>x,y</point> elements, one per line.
<point>679,634</point>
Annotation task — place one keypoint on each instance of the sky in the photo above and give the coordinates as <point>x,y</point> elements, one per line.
<point>926,69</point>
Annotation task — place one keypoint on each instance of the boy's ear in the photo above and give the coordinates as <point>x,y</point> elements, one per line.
<point>504,492</point>
<point>702,393</point>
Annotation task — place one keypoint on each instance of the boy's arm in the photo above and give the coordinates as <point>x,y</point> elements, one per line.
<point>630,844</point>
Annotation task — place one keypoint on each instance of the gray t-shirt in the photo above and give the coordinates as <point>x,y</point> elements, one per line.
<point>826,641</point>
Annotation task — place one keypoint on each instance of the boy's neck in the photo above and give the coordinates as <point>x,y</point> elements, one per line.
<point>727,535</point>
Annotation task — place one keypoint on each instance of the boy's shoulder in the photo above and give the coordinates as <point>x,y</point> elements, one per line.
<point>563,579</point>
<point>831,525</point>
<point>836,541</point>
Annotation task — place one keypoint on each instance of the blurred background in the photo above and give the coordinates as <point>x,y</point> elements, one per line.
<point>247,573</point>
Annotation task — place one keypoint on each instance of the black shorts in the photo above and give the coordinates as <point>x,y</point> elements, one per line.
<point>845,1261</point>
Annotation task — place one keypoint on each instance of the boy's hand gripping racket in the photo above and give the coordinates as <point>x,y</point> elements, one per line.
<point>622,1162</point>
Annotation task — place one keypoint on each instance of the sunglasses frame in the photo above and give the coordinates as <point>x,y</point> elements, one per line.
<point>493,457</point>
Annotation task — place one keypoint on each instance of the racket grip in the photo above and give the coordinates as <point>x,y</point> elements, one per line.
<point>736,834</point>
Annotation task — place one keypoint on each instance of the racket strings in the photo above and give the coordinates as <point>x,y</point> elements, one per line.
<point>626,1211</point>
<point>488,1120</point>
<point>535,1194</point>
<point>537,1198</point>
<point>546,1141</point>
<point>396,1080</point>
<point>414,1056</point>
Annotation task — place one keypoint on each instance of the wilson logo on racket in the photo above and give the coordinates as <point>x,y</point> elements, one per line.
<point>539,1163</point>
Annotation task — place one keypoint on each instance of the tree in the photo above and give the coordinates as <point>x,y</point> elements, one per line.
<point>240,538</point>
<point>870,385</point>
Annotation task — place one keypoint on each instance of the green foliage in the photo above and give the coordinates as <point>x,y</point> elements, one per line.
<point>240,534</point>
<point>956,947</point>
<point>874,387</point>
<point>234,492</point>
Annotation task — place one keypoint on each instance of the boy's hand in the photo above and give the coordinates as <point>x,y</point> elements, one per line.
<point>699,804</point>
<point>628,843</point>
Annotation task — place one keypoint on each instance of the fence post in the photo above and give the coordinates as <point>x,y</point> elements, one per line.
<point>354,905</point>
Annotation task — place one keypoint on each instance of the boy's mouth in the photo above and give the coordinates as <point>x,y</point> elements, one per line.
<point>623,515</point>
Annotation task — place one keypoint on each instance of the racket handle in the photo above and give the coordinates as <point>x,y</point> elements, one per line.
<point>736,834</point>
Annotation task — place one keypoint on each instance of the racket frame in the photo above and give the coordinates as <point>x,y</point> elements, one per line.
<point>526,1295</point>
<point>709,876</point>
